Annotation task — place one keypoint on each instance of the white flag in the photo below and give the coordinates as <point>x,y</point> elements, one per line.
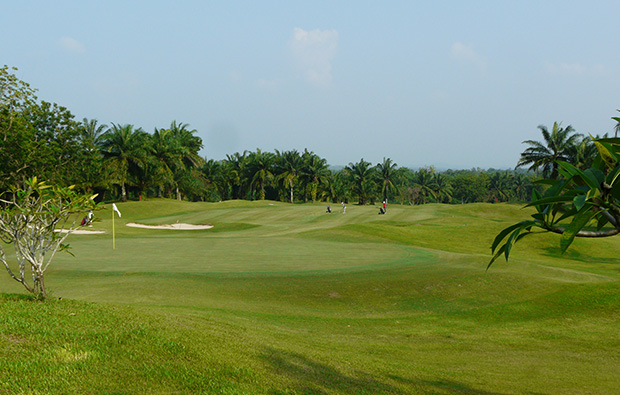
<point>116,209</point>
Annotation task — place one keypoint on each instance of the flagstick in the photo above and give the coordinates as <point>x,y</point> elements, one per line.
<point>113,234</point>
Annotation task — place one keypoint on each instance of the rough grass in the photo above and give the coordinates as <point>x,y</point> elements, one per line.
<point>285,299</point>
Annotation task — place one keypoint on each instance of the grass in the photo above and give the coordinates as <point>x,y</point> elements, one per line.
<point>285,299</point>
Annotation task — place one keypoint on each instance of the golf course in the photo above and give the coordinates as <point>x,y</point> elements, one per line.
<point>279,298</point>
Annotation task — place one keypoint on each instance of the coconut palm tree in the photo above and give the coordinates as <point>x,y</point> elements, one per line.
<point>558,145</point>
<point>124,150</point>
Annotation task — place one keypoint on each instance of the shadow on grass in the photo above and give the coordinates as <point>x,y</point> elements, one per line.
<point>555,252</point>
<point>311,377</point>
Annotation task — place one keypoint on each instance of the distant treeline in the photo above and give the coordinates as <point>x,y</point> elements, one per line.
<point>123,162</point>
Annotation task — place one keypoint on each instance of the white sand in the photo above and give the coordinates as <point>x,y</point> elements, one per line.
<point>82,232</point>
<point>176,226</point>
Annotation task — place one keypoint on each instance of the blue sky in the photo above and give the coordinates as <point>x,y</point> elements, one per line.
<point>451,84</point>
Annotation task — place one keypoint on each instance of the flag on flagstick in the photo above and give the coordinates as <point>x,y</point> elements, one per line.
<point>114,208</point>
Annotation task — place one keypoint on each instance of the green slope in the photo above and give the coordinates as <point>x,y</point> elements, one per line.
<point>285,299</point>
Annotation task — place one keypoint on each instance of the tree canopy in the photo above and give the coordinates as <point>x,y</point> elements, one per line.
<point>579,203</point>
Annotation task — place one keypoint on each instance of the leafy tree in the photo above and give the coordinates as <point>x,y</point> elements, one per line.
<point>469,187</point>
<point>558,146</point>
<point>581,203</point>
<point>16,97</point>
<point>33,218</point>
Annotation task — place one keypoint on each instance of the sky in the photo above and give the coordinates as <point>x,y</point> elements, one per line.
<point>450,84</point>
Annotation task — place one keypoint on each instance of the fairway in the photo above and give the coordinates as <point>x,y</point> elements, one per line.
<point>286,299</point>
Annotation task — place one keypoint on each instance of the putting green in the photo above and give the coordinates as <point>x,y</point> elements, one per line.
<point>226,255</point>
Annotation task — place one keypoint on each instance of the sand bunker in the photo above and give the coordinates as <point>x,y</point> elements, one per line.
<point>82,232</point>
<point>176,226</point>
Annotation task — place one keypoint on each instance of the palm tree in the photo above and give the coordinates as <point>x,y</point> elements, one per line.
<point>188,146</point>
<point>424,180</point>
<point>522,186</point>
<point>90,138</point>
<point>333,187</point>
<point>584,152</point>
<point>558,145</point>
<point>213,175</point>
<point>443,188</point>
<point>124,152</point>
<point>500,186</point>
<point>361,175</point>
<point>617,126</point>
<point>259,171</point>
<point>314,172</point>
<point>165,156</point>
<point>91,134</point>
<point>288,167</point>
<point>387,172</point>
<point>234,170</point>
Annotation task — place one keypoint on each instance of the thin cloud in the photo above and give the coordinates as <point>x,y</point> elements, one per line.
<point>572,68</point>
<point>466,54</point>
<point>71,45</point>
<point>264,83</point>
<point>313,52</point>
